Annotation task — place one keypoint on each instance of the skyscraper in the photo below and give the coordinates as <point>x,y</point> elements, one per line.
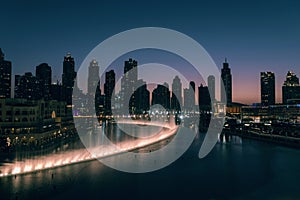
<point>140,100</point>
<point>109,87</point>
<point>192,86</point>
<point>189,96</point>
<point>267,88</point>
<point>27,86</point>
<point>290,88</point>
<point>95,100</point>
<point>226,91</point>
<point>130,70</point>
<point>204,98</point>
<point>211,84</point>
<point>93,78</point>
<point>5,77</point>
<point>43,74</point>
<point>176,99</point>
<point>99,101</point>
<point>128,82</point>
<point>204,108</point>
<point>129,78</point>
<point>161,96</point>
<point>68,77</point>
<point>57,91</point>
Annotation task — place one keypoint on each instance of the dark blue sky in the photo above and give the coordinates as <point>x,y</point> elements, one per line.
<point>254,35</point>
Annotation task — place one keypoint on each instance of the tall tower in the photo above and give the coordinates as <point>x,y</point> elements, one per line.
<point>211,84</point>
<point>68,77</point>
<point>176,98</point>
<point>128,82</point>
<point>5,77</point>
<point>290,88</point>
<point>267,88</point>
<point>226,91</point>
<point>161,96</point>
<point>109,87</point>
<point>93,78</point>
<point>192,86</point>
<point>204,97</point>
<point>130,70</point>
<point>189,96</point>
<point>140,104</point>
<point>43,74</point>
<point>130,76</point>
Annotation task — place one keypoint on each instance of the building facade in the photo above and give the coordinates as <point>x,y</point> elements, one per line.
<point>68,78</point>
<point>109,87</point>
<point>211,84</point>
<point>204,98</point>
<point>128,84</point>
<point>226,88</point>
<point>282,113</point>
<point>290,89</point>
<point>27,87</point>
<point>22,116</point>
<point>5,77</point>
<point>140,100</point>
<point>189,97</point>
<point>161,96</point>
<point>43,74</point>
<point>267,88</point>
<point>176,99</point>
<point>93,78</point>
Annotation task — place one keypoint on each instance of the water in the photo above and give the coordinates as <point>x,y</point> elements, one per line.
<point>236,169</point>
<point>96,146</point>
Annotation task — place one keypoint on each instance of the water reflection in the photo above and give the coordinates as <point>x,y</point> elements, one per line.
<point>95,147</point>
<point>248,170</point>
<point>225,138</point>
<point>235,169</point>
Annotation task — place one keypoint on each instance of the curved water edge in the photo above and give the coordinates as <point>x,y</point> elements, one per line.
<point>237,168</point>
<point>39,163</point>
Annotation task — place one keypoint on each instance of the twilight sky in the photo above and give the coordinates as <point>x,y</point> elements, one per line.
<point>254,35</point>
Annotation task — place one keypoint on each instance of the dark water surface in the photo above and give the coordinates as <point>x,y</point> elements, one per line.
<point>238,169</point>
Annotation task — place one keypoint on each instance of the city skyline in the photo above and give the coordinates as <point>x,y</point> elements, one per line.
<point>149,87</point>
<point>236,91</point>
<point>255,36</point>
<point>149,99</point>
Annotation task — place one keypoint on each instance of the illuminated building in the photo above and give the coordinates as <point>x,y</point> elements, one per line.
<point>68,78</point>
<point>109,87</point>
<point>226,91</point>
<point>27,87</point>
<point>93,78</point>
<point>5,77</point>
<point>290,89</point>
<point>267,88</point>
<point>176,99</point>
<point>43,74</point>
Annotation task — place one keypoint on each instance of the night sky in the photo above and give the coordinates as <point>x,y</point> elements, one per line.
<point>254,35</point>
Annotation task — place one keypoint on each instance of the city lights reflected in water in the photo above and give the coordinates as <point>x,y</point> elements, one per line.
<point>38,163</point>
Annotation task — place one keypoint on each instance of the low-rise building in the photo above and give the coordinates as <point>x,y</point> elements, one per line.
<point>21,116</point>
<point>283,113</point>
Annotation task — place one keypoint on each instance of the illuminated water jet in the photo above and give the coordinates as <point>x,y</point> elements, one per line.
<point>38,163</point>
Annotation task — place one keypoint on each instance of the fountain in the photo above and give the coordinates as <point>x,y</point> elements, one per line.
<point>96,151</point>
